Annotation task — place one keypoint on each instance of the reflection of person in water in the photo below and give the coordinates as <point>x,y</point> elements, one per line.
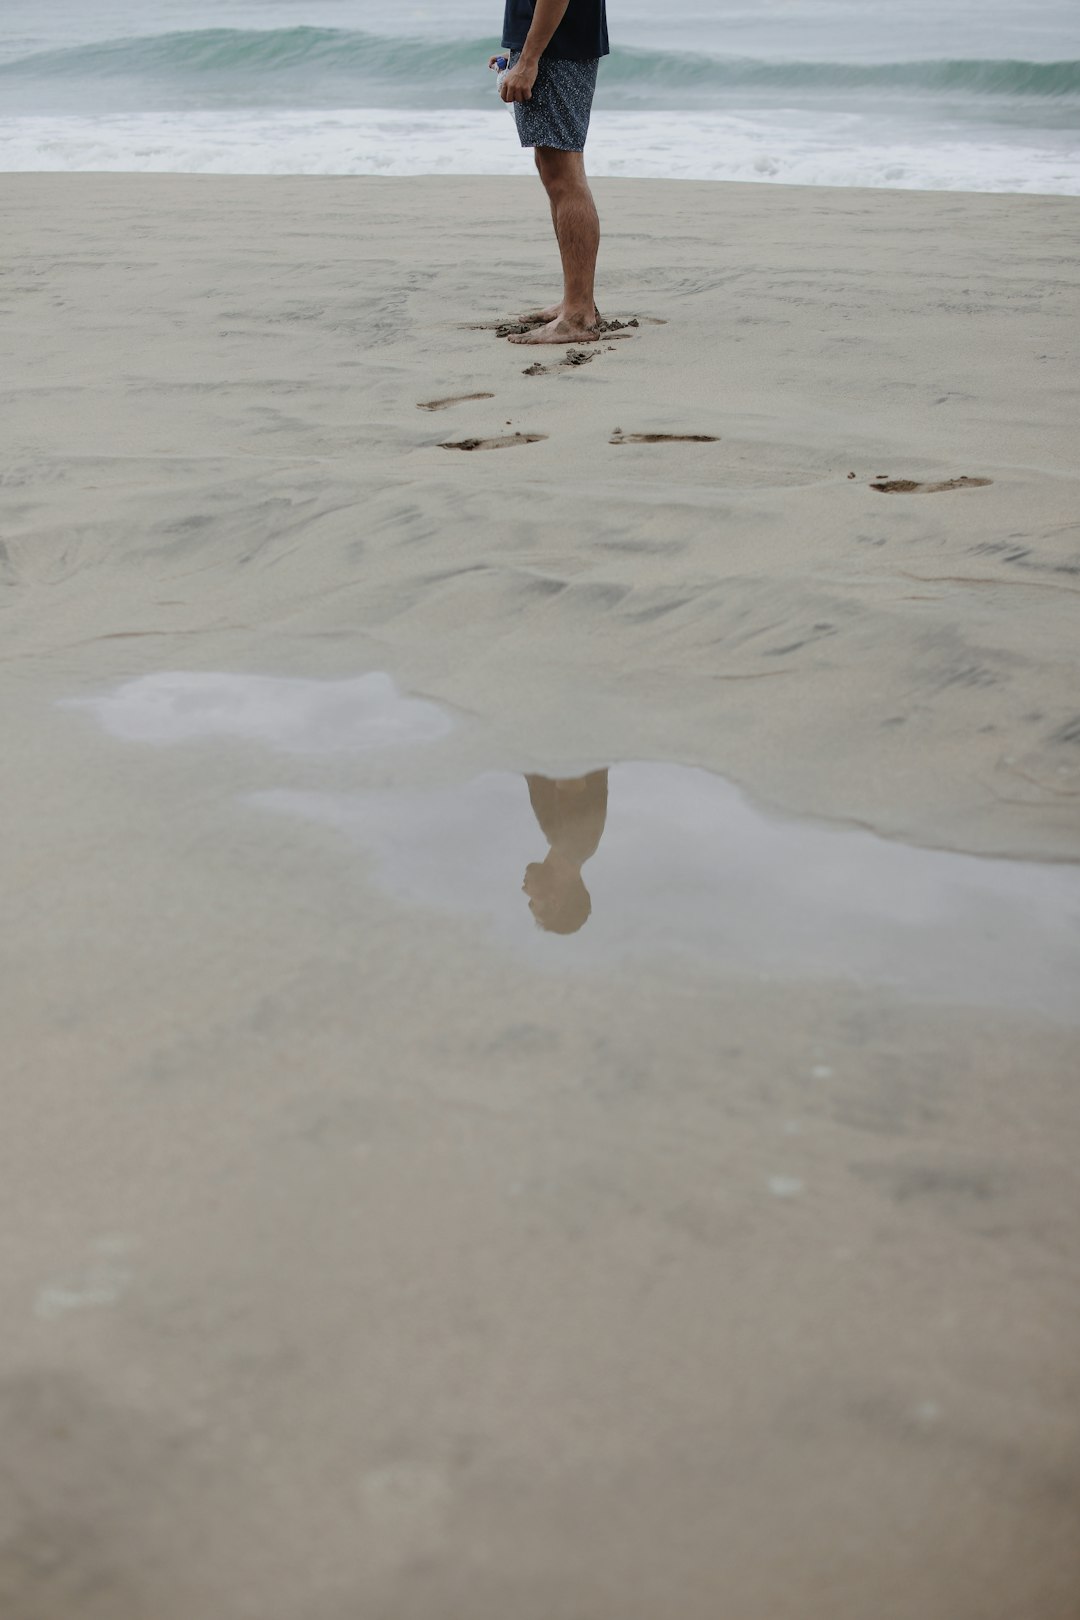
<point>571,815</point>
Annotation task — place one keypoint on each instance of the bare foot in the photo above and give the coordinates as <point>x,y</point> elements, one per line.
<point>564,329</point>
<point>541,317</point>
<point>544,317</point>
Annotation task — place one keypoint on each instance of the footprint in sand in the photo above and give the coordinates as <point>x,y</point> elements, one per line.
<point>574,358</point>
<point>908,486</point>
<point>619,437</point>
<point>507,442</point>
<point>455,399</point>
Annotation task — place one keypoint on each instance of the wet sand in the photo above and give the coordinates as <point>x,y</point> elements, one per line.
<point>368,1249</point>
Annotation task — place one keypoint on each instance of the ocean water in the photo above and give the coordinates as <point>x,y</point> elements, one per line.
<point>955,95</point>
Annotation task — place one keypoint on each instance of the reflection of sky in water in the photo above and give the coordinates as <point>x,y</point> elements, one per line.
<point>682,863</point>
<point>297,716</point>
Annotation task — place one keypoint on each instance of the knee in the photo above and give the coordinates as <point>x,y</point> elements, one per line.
<point>557,191</point>
<point>557,183</point>
<point>547,172</point>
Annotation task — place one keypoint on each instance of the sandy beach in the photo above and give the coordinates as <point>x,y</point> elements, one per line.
<point>368,1251</point>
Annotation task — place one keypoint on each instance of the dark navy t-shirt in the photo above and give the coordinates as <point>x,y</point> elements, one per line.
<point>581,36</point>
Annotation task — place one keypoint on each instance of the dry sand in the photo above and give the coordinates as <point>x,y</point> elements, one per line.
<point>361,1261</point>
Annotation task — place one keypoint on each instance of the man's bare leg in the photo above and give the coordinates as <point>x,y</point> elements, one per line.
<point>577,229</point>
<point>541,317</point>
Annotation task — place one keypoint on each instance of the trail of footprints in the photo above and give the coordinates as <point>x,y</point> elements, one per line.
<point>576,357</point>
<point>572,360</point>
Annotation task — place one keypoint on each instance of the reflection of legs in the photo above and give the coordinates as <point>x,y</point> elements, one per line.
<point>571,812</point>
<point>577,230</point>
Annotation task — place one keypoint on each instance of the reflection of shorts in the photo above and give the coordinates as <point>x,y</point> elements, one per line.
<point>561,106</point>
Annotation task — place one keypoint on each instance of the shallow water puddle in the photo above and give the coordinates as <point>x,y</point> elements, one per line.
<point>638,860</point>
<point>285,712</point>
<point>644,859</point>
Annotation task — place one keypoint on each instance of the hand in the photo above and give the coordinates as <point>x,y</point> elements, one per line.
<point>518,83</point>
<point>495,60</point>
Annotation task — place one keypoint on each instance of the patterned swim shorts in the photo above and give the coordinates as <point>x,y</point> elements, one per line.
<point>561,106</point>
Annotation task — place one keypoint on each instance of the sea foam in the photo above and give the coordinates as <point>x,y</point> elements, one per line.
<point>829,150</point>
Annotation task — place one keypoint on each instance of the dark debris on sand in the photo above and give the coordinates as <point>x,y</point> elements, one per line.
<point>508,441</point>
<point>574,357</point>
<point>909,486</point>
<point>518,328</point>
<point>619,437</point>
